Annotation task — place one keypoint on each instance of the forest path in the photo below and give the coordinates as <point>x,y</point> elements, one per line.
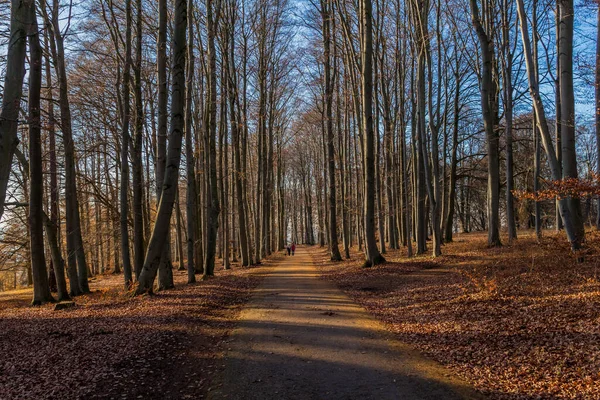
<point>302,338</point>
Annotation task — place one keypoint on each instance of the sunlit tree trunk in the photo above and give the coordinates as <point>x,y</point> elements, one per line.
<point>237,146</point>
<point>213,207</point>
<point>165,270</point>
<point>567,120</point>
<point>326,16</point>
<point>557,107</point>
<point>77,265</point>
<point>13,88</point>
<point>138,179</point>
<point>126,117</point>
<point>508,120</point>
<point>372,253</point>
<point>597,93</point>
<point>454,154</point>
<point>489,109</point>
<point>536,138</point>
<point>162,226</point>
<point>41,288</point>
<point>542,123</point>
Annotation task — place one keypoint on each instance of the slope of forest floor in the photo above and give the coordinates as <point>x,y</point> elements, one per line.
<point>518,322</point>
<point>113,346</point>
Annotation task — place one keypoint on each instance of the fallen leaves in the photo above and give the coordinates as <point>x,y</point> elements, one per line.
<point>518,322</point>
<point>112,346</point>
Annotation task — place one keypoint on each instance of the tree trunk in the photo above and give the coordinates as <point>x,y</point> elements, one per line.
<point>41,288</point>
<point>567,112</point>
<point>326,11</point>
<point>508,121</point>
<point>597,92</point>
<point>165,269</point>
<point>162,225</point>
<point>124,188</point>
<point>542,123</point>
<point>191,193</point>
<point>237,151</point>
<point>138,179</point>
<point>372,254</point>
<point>76,255</point>
<point>536,139</point>
<point>557,107</point>
<point>453,161</point>
<point>54,285</point>
<point>57,260</point>
<point>489,109</point>
<point>13,88</point>
<point>213,209</point>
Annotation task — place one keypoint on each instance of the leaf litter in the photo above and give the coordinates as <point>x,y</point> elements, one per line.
<point>517,322</point>
<point>113,346</point>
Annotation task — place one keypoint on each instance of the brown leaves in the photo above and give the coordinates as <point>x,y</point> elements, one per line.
<point>517,322</point>
<point>112,346</point>
<point>567,187</point>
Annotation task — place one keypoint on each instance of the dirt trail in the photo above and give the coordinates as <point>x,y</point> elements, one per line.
<point>302,338</point>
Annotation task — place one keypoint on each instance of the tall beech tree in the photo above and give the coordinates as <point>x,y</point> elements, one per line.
<point>169,189</point>
<point>13,89</point>
<point>41,288</point>
<point>489,107</point>
<point>327,18</point>
<point>373,256</point>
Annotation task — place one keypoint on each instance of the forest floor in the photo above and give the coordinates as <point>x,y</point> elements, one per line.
<point>301,338</point>
<point>517,322</point>
<point>114,346</point>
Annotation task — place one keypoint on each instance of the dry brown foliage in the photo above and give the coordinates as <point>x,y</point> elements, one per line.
<point>518,322</point>
<point>113,346</point>
<point>566,187</point>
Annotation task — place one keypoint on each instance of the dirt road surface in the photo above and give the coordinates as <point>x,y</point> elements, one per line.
<point>301,338</point>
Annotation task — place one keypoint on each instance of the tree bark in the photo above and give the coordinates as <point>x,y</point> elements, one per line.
<point>138,179</point>
<point>489,109</point>
<point>126,116</point>
<point>542,123</point>
<point>235,124</point>
<point>165,270</point>
<point>326,15</point>
<point>373,256</point>
<point>13,89</point>
<point>161,227</point>
<point>508,121</point>
<point>213,209</point>
<point>77,265</point>
<point>597,93</point>
<point>191,193</point>
<point>41,288</point>
<point>567,113</point>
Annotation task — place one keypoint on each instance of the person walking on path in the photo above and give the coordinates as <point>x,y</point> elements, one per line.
<point>293,248</point>
<point>289,250</point>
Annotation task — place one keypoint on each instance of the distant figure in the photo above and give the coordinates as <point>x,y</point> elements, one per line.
<point>289,250</point>
<point>293,248</point>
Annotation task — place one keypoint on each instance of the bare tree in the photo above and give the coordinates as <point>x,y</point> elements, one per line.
<point>13,89</point>
<point>126,117</point>
<point>373,256</point>
<point>327,18</point>
<point>489,109</point>
<point>41,288</point>
<point>213,11</point>
<point>542,124</point>
<point>169,190</point>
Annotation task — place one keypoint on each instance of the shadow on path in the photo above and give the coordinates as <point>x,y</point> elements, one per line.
<point>302,338</point>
